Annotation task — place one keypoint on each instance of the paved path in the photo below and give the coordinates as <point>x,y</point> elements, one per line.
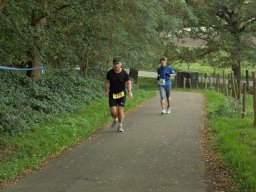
<point>155,153</point>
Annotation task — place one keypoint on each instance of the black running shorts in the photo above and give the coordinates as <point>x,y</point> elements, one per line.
<point>117,102</point>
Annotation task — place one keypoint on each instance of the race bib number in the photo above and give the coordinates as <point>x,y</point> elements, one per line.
<point>118,95</point>
<point>161,81</point>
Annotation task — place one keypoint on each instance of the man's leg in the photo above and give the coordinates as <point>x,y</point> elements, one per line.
<point>114,112</point>
<point>120,114</point>
<point>120,118</point>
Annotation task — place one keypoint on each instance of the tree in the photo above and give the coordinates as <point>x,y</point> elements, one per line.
<point>227,26</point>
<point>89,33</point>
<point>29,31</point>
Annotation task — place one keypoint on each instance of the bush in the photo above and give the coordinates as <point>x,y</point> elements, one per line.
<point>230,108</point>
<point>25,102</point>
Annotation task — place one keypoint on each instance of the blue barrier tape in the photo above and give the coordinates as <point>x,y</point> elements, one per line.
<point>20,69</point>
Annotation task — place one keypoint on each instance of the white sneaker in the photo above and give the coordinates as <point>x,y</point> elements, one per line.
<point>168,110</point>
<point>120,128</point>
<point>163,111</point>
<point>114,124</point>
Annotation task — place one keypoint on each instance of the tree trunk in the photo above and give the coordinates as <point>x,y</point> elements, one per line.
<point>36,62</point>
<point>237,73</point>
<point>2,5</point>
<point>36,74</point>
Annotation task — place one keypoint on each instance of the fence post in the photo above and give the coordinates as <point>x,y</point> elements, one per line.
<point>184,82</point>
<point>244,99</point>
<point>230,85</point>
<point>215,81</point>
<point>226,87</point>
<point>254,97</point>
<point>210,82</point>
<point>247,80</point>
<point>218,83</point>
<point>223,80</point>
<point>205,82</point>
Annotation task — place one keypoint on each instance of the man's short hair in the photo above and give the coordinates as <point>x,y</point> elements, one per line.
<point>116,60</point>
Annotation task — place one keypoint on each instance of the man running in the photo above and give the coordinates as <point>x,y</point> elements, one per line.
<point>117,80</point>
<point>164,73</point>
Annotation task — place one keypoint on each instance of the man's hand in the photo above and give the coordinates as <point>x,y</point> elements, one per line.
<point>130,95</point>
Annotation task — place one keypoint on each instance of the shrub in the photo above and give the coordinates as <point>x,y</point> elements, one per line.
<point>230,108</point>
<point>25,102</point>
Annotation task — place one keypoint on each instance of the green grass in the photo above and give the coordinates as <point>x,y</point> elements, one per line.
<point>202,69</point>
<point>29,149</point>
<point>236,140</point>
<point>148,83</point>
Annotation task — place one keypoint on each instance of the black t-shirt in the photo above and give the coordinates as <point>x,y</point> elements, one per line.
<point>117,80</point>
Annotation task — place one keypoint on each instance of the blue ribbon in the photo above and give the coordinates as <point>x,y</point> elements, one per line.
<point>20,69</point>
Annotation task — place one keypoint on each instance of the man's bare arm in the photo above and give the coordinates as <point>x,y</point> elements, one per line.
<point>106,87</point>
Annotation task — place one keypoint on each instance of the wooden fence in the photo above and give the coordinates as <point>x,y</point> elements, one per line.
<point>228,85</point>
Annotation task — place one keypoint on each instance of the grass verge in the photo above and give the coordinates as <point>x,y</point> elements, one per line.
<point>235,139</point>
<point>31,148</point>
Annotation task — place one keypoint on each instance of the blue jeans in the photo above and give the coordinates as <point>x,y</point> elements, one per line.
<point>165,91</point>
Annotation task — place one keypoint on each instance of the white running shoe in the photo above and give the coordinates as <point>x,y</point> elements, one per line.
<point>163,111</point>
<point>120,128</point>
<point>168,110</point>
<point>114,124</point>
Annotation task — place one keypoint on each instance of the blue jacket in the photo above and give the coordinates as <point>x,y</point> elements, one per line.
<point>164,73</point>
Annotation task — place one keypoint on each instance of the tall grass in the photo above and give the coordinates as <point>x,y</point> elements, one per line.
<point>235,139</point>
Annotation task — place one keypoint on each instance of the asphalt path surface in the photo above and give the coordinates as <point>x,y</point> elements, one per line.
<point>156,152</point>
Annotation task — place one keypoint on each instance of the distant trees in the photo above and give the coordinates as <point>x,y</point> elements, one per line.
<point>63,33</point>
<point>227,27</point>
